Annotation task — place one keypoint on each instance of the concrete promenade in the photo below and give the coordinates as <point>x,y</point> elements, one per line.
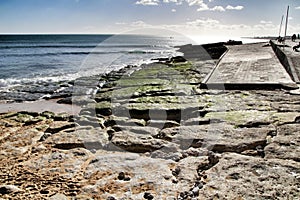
<point>248,66</point>
<point>293,57</point>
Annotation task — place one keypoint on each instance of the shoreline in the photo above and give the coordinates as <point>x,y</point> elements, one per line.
<point>38,103</point>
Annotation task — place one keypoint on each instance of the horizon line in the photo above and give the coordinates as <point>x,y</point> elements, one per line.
<point>259,36</point>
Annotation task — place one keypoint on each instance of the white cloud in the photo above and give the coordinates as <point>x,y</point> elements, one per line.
<point>214,27</point>
<point>177,2</point>
<point>148,2</point>
<point>204,23</point>
<point>140,24</point>
<point>265,22</point>
<point>173,10</point>
<point>229,7</point>
<point>120,23</point>
<point>170,1</point>
<point>297,8</point>
<point>209,26</point>
<point>265,25</point>
<point>218,8</point>
<point>194,2</point>
<point>202,6</point>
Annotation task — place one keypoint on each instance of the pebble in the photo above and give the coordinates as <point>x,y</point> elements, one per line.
<point>195,191</point>
<point>111,198</point>
<point>7,189</point>
<point>190,194</point>
<point>174,180</point>
<point>176,171</point>
<point>148,195</point>
<point>121,176</point>
<point>127,179</point>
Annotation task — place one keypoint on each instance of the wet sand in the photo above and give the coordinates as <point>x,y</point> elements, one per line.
<point>40,106</point>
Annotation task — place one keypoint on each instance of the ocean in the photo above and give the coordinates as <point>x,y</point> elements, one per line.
<point>38,59</point>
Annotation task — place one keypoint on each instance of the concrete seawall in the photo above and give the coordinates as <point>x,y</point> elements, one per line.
<point>249,67</point>
<point>285,61</point>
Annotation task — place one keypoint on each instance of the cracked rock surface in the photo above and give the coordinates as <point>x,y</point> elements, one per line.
<point>153,134</point>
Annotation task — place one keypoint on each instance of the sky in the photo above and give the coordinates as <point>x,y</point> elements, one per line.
<point>189,17</point>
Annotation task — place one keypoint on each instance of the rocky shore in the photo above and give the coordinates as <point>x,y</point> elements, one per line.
<point>149,132</point>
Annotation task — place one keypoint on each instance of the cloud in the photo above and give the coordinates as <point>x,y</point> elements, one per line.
<point>202,6</point>
<point>297,8</point>
<point>208,26</point>
<point>140,24</point>
<point>173,10</point>
<point>265,22</point>
<point>120,23</point>
<point>229,7</point>
<point>265,25</point>
<point>147,2</point>
<point>177,2</point>
<point>204,23</point>
<point>212,26</point>
<point>168,1</point>
<point>194,2</point>
<point>218,8</point>
<point>200,3</point>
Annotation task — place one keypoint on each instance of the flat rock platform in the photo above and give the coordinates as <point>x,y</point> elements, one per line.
<point>248,66</point>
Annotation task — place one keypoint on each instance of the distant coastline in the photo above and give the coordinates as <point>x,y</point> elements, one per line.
<point>267,37</point>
